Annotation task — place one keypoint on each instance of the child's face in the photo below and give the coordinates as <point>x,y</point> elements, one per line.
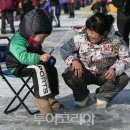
<point>39,38</point>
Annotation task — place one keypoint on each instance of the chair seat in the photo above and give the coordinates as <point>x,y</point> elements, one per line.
<point>5,73</point>
<point>8,73</point>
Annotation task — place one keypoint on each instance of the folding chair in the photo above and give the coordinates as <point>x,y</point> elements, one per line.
<point>4,72</point>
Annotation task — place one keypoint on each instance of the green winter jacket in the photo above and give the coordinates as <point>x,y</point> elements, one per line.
<point>21,52</point>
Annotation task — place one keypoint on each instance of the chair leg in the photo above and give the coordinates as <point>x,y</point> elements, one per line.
<point>28,85</point>
<point>6,111</point>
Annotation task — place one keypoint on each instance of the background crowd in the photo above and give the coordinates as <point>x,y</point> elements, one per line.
<point>11,10</point>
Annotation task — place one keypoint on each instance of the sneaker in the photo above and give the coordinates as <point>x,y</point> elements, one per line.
<point>55,104</point>
<point>43,106</point>
<point>101,104</point>
<point>82,103</point>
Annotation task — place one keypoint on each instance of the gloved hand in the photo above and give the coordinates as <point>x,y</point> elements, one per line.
<point>52,61</point>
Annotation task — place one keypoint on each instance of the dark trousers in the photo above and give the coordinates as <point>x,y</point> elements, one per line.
<point>123,22</point>
<point>54,16</point>
<point>71,9</point>
<point>65,8</point>
<point>49,78</point>
<point>11,19</point>
<point>108,88</point>
<point>103,7</point>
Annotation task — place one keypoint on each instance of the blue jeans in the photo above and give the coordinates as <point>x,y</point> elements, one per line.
<point>11,19</point>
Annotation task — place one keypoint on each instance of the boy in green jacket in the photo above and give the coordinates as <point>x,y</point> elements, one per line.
<point>26,58</point>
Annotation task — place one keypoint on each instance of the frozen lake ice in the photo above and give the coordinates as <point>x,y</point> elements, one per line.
<point>115,117</point>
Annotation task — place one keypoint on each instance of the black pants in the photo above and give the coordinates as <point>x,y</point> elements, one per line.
<point>108,88</point>
<point>103,7</point>
<point>44,78</point>
<point>65,8</point>
<point>123,22</point>
<point>11,19</point>
<point>71,10</point>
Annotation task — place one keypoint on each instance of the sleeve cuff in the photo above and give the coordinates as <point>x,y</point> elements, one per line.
<point>69,60</point>
<point>116,71</point>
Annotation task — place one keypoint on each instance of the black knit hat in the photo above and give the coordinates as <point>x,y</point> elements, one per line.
<point>35,22</point>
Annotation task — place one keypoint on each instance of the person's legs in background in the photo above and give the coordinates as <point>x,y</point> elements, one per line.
<point>58,12</point>
<point>3,18</point>
<point>58,19</point>
<point>71,10</point>
<point>123,23</point>
<point>11,20</point>
<point>65,8</point>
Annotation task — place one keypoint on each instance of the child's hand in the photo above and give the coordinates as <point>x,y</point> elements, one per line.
<point>45,57</point>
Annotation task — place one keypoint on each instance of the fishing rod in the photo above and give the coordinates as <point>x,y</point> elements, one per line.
<point>59,42</point>
<point>88,8</point>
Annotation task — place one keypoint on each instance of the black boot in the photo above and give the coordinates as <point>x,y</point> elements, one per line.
<point>13,31</point>
<point>3,32</point>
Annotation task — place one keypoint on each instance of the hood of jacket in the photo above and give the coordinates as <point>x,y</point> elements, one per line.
<point>35,22</point>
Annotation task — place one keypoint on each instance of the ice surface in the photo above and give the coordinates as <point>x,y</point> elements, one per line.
<point>115,117</point>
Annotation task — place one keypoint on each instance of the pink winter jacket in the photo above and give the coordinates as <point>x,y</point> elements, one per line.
<point>8,4</point>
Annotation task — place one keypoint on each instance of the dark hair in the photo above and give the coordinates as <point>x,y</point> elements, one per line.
<point>100,23</point>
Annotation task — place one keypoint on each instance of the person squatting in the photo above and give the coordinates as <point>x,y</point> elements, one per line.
<point>97,54</point>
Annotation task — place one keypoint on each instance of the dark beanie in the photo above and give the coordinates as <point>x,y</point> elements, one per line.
<point>35,22</point>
